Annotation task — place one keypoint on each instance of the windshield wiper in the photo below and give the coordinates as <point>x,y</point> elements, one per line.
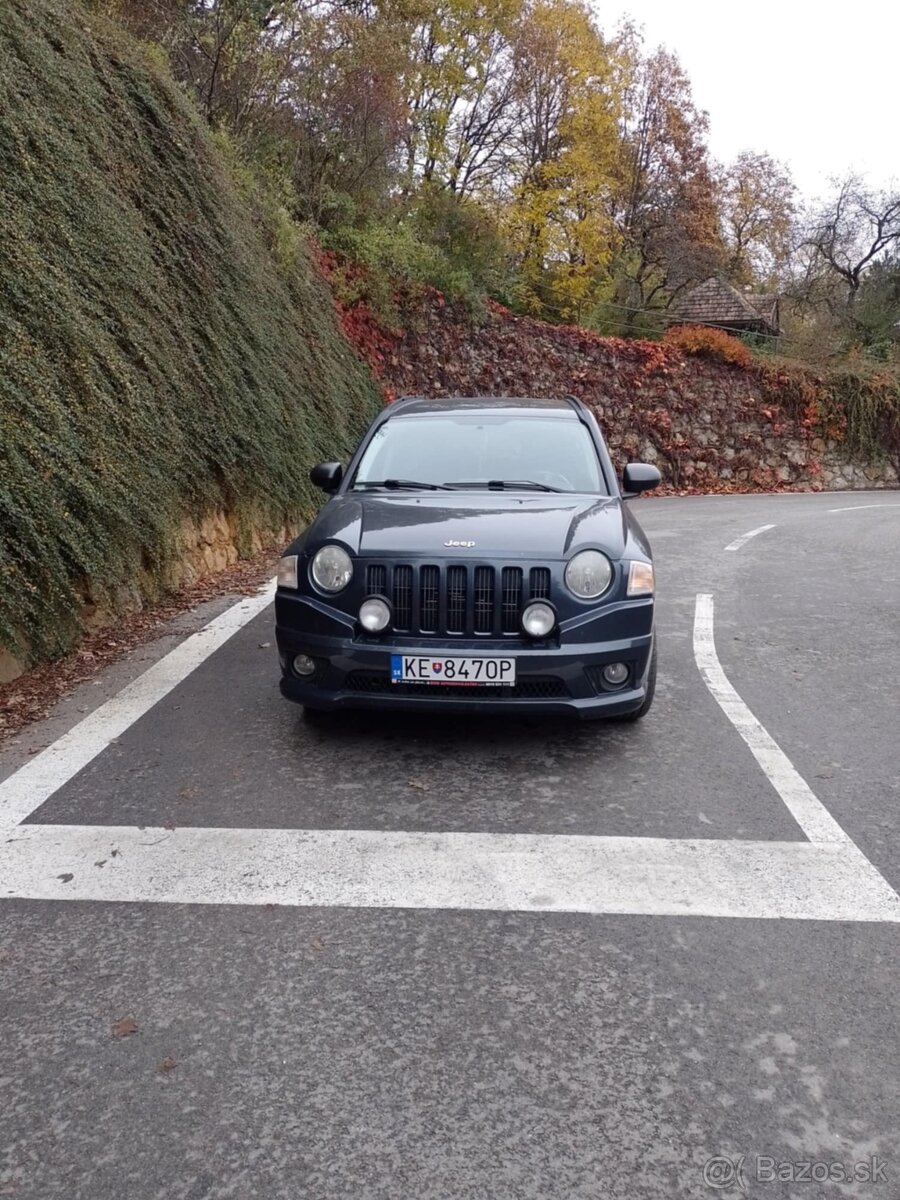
<point>401,485</point>
<point>500,485</point>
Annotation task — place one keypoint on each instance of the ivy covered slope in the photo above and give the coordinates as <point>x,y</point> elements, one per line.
<point>166,348</point>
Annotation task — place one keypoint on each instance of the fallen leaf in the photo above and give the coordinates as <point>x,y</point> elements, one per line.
<point>167,1065</point>
<point>264,645</point>
<point>419,784</point>
<point>316,944</point>
<point>67,877</point>
<point>124,1027</point>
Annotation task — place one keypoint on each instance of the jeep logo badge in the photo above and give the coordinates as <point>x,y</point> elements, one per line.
<point>461,545</point>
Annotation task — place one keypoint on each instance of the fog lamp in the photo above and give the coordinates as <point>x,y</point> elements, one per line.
<point>615,674</point>
<point>304,665</point>
<point>374,614</point>
<point>538,619</point>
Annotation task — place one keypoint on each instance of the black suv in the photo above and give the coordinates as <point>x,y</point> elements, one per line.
<point>476,556</point>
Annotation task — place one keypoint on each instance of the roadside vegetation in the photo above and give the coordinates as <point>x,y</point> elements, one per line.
<point>515,152</point>
<point>199,197</point>
<point>514,149</point>
<point>166,347</point>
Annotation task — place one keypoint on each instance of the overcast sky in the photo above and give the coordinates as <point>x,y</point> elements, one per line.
<point>817,85</point>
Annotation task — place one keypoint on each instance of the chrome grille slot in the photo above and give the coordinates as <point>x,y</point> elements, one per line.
<point>402,597</point>
<point>456,599</point>
<point>376,580</point>
<point>429,598</point>
<point>540,583</point>
<point>484,599</point>
<point>510,599</point>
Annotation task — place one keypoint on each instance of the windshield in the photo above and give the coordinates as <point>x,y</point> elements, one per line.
<point>474,449</point>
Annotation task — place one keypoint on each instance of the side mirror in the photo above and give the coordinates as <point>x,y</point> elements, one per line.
<point>639,477</point>
<point>327,476</point>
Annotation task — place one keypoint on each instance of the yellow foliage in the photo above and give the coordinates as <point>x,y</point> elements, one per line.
<point>557,215</point>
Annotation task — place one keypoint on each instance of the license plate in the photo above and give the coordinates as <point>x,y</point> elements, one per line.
<point>459,672</point>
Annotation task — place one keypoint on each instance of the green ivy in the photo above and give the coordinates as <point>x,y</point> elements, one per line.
<point>869,401</point>
<point>166,346</point>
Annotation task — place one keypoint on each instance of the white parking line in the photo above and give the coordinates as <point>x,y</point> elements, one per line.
<point>807,810</point>
<point>858,507</point>
<point>475,871</point>
<point>28,788</point>
<point>825,879</point>
<point>745,537</point>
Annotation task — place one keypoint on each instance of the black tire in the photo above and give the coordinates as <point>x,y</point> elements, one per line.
<point>628,718</point>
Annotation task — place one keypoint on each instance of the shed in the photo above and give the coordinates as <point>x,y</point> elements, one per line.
<point>715,302</point>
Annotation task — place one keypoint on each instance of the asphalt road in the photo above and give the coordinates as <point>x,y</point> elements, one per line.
<point>460,1020</point>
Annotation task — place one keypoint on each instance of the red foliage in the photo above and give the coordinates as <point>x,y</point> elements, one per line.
<point>374,342</point>
<point>704,342</point>
<point>711,426</point>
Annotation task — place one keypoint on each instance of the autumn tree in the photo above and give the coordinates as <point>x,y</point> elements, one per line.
<point>850,233</point>
<point>486,144</point>
<point>562,159</point>
<point>335,120</point>
<point>758,201</point>
<point>877,311</point>
<point>664,205</point>
<point>212,44</point>
<point>458,84</point>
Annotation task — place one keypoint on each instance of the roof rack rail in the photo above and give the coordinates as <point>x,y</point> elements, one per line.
<point>574,401</point>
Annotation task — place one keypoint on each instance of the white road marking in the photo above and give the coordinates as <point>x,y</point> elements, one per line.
<point>475,871</point>
<point>28,788</point>
<point>827,878</point>
<point>858,507</point>
<point>807,810</point>
<point>745,537</point>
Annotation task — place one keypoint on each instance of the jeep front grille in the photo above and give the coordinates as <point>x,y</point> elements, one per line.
<point>457,598</point>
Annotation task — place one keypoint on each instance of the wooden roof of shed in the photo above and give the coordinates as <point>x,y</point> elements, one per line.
<point>716,302</point>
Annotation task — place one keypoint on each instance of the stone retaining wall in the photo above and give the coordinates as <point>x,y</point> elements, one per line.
<point>203,548</point>
<point>710,426</point>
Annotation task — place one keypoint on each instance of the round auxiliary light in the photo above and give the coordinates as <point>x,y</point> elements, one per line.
<point>304,665</point>
<point>589,574</point>
<point>538,619</point>
<point>332,569</point>
<point>374,614</point>
<point>615,674</point>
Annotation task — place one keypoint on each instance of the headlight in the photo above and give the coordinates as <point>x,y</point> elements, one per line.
<point>374,614</point>
<point>331,569</point>
<point>589,574</point>
<point>640,579</point>
<point>538,619</point>
<point>287,571</point>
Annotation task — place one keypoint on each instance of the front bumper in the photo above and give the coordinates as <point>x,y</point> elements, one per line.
<point>562,676</point>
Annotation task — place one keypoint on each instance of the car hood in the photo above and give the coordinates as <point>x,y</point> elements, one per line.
<point>501,525</point>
